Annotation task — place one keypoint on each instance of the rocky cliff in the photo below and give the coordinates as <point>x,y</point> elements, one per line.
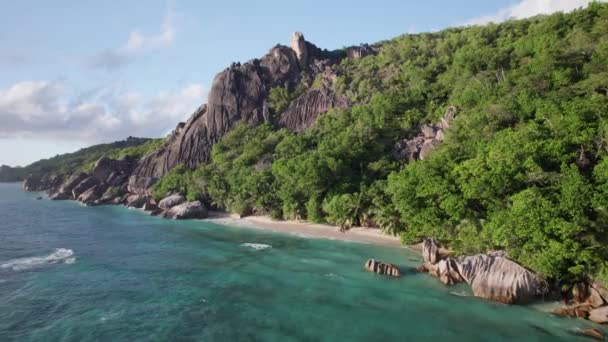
<point>240,94</point>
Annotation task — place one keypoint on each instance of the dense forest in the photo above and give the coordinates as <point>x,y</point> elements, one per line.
<point>81,160</point>
<point>523,166</point>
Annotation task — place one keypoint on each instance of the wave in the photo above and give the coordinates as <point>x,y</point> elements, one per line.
<point>460,294</point>
<point>58,255</point>
<point>256,246</point>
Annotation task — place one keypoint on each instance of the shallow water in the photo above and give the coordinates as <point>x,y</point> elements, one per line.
<point>108,273</point>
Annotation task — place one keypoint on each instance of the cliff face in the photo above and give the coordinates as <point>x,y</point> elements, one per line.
<point>240,94</point>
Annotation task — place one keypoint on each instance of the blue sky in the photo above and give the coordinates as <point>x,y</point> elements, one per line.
<point>75,73</point>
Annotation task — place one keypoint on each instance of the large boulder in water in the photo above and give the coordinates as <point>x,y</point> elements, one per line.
<point>188,210</point>
<point>171,201</point>
<point>494,277</point>
<point>382,268</point>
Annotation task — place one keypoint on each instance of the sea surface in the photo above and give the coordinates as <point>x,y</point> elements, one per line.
<point>72,273</point>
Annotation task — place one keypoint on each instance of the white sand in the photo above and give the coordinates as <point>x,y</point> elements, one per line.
<point>306,229</point>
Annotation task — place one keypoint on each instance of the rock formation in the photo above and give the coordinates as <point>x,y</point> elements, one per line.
<point>426,141</point>
<point>588,300</point>
<point>382,268</point>
<point>303,111</point>
<point>171,201</point>
<point>240,94</point>
<point>491,276</point>
<point>41,183</point>
<point>188,210</point>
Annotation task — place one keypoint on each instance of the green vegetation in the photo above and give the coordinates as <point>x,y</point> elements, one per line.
<point>83,159</point>
<point>523,167</point>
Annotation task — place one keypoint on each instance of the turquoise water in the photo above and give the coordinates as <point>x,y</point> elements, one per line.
<point>71,273</point>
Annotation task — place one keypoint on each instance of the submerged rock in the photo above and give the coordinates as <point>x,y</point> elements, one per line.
<point>188,210</point>
<point>382,268</point>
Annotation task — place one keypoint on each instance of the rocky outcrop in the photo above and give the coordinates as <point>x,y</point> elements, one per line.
<point>298,45</point>
<point>136,201</point>
<point>356,52</point>
<point>65,190</point>
<point>151,208</point>
<point>41,183</point>
<point>85,185</point>
<point>171,201</point>
<point>112,171</point>
<point>426,141</point>
<point>188,210</point>
<point>239,94</point>
<point>302,113</point>
<point>587,300</point>
<point>382,268</point>
<point>92,195</point>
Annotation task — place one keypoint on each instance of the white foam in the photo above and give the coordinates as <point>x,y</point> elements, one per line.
<point>58,255</point>
<point>256,246</point>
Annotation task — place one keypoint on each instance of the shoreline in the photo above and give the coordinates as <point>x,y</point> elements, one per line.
<point>372,236</point>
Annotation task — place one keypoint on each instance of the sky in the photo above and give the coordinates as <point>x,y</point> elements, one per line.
<point>77,73</point>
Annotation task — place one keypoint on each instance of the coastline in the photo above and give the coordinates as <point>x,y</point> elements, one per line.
<point>301,228</point>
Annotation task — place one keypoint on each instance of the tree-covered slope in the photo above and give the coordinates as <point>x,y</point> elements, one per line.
<point>522,168</point>
<point>83,159</point>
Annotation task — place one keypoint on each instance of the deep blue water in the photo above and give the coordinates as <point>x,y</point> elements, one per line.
<point>71,273</point>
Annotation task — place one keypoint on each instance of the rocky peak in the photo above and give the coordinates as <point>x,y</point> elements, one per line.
<point>240,94</point>
<point>298,45</point>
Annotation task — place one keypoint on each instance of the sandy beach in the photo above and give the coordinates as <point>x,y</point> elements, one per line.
<point>306,229</point>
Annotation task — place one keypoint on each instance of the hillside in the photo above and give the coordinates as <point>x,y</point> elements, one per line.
<point>521,168</point>
<point>68,163</point>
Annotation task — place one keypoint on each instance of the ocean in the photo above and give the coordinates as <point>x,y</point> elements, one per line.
<point>108,273</point>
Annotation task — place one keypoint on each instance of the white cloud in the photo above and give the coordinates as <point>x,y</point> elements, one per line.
<point>530,8</point>
<point>137,42</point>
<point>47,110</point>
